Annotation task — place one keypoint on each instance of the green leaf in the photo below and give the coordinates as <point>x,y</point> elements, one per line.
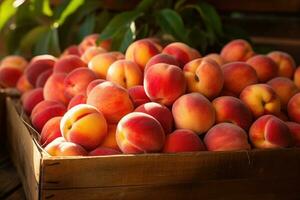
<point>87,27</point>
<point>171,23</point>
<point>119,22</point>
<point>179,4</point>
<point>70,9</point>
<point>41,7</point>
<point>145,5</point>
<point>7,10</point>
<point>128,38</point>
<point>122,39</point>
<point>48,43</point>
<point>47,8</point>
<point>102,19</point>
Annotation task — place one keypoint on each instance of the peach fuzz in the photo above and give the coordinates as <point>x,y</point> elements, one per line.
<point>265,67</point>
<point>50,131</point>
<point>295,131</point>
<point>9,76</point>
<point>37,65</point>
<point>77,81</point>
<point>99,64</point>
<point>110,140</point>
<point>233,110</point>
<point>193,111</point>
<point>31,98</point>
<point>104,151</point>
<point>216,57</point>
<point>261,99</point>
<point>226,137</point>
<point>92,84</point>
<point>141,51</point>
<point>182,52</point>
<point>60,147</point>
<point>293,108</point>
<point>204,76</point>
<point>23,84</point>
<point>270,132</point>
<point>237,50</point>
<point>67,64</point>
<point>71,50</point>
<point>183,140</point>
<point>237,76</point>
<point>112,100</point>
<point>160,112</point>
<point>164,83</point>
<point>76,100</point>
<point>138,95</point>
<point>297,77</point>
<point>84,125</point>
<point>91,41</point>
<point>91,52</point>
<point>44,111</point>
<point>43,77</point>
<point>161,58</point>
<point>286,64</point>
<point>139,133</point>
<point>125,73</point>
<point>284,88</point>
<point>54,88</point>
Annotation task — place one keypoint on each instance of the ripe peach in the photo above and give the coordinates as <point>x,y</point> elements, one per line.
<point>67,64</point>
<point>50,131</point>
<point>84,125</point>
<point>226,137</point>
<point>71,50</point>
<point>193,111</point>
<point>91,41</point>
<point>233,110</point>
<point>270,132</point>
<point>44,111</point>
<point>140,133</point>
<point>237,76</point>
<point>77,81</point>
<point>183,140</point>
<point>92,84</point>
<point>261,99</point>
<point>237,50</point>
<point>286,64</point>
<point>76,100</point>
<point>216,57</point>
<point>91,52</point>
<point>104,151</point>
<point>204,76</point>
<point>162,58</point>
<point>265,67</point>
<point>293,108</point>
<point>295,131</point>
<point>112,100</point>
<point>125,73</point>
<point>31,98</point>
<point>297,77</point>
<point>160,112</point>
<point>54,88</point>
<point>164,83</point>
<point>43,77</point>
<point>182,52</point>
<point>23,84</point>
<point>110,140</point>
<point>9,76</point>
<point>138,95</point>
<point>284,88</point>
<point>14,61</point>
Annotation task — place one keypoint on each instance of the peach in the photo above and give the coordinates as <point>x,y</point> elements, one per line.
<point>183,140</point>
<point>112,100</point>
<point>237,50</point>
<point>226,137</point>
<point>233,110</point>
<point>182,52</point>
<point>293,108</point>
<point>141,51</point>
<point>37,65</point>
<point>237,76</point>
<point>67,64</point>
<point>265,67</point>
<point>297,77</point>
<point>295,131</point>
<point>162,58</point>
<point>193,111</point>
<point>43,77</point>
<point>77,81</point>
<point>84,125</point>
<point>164,83</point>
<point>59,147</point>
<point>50,131</point>
<point>31,98</point>
<point>139,133</point>
<point>54,88</point>
<point>92,84</point>
<point>91,52</point>
<point>14,61</point>
<point>76,100</point>
<point>284,88</point>
<point>71,50</point>
<point>261,99</point>
<point>23,84</point>
<point>138,95</point>
<point>99,64</point>
<point>44,111</point>
<point>91,41</point>
<point>216,57</point>
<point>270,132</point>
<point>104,151</point>
<point>9,76</point>
<point>205,76</point>
<point>110,140</point>
<point>160,112</point>
<point>286,64</point>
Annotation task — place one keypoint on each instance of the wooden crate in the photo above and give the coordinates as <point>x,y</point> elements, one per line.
<point>255,174</point>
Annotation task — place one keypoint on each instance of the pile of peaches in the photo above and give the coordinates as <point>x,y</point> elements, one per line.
<point>154,98</point>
